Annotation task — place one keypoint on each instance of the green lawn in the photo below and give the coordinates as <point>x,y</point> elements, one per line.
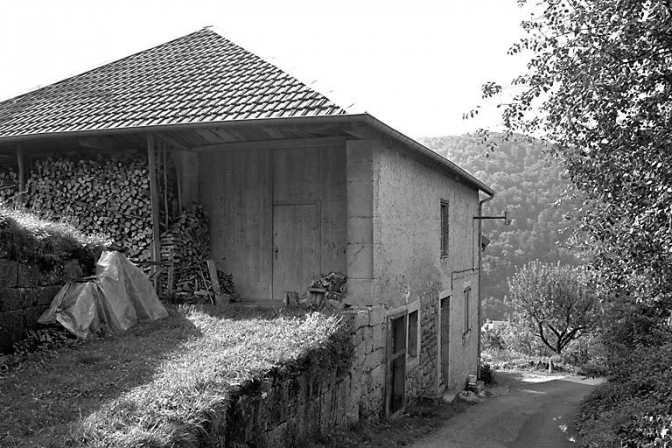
<point>155,385</point>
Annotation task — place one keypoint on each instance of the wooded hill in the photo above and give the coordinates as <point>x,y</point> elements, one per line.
<point>528,184</point>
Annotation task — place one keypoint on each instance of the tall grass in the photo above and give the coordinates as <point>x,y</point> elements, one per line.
<point>159,384</point>
<point>26,237</point>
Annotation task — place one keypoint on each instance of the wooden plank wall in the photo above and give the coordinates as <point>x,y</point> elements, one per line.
<point>239,188</point>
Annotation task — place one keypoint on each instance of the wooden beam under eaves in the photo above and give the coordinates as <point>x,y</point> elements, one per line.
<point>174,143</point>
<point>272,144</point>
<point>358,131</point>
<point>21,161</point>
<point>154,196</point>
<point>98,143</point>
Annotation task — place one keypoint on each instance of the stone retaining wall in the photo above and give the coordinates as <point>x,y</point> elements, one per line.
<point>303,403</point>
<point>25,293</point>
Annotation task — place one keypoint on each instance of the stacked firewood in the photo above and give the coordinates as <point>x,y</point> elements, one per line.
<point>187,246</point>
<point>110,196</point>
<point>105,195</point>
<point>333,284</point>
<point>9,183</point>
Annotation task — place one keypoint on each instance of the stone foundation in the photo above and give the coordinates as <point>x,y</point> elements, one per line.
<point>303,403</point>
<point>25,293</point>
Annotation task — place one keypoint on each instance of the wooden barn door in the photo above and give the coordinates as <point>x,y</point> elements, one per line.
<point>296,247</point>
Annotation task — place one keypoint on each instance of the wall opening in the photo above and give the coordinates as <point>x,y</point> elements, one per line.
<point>445,339</point>
<point>395,395</point>
<point>467,305</point>
<point>413,335</point>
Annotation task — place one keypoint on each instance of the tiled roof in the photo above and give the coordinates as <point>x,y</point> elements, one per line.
<point>201,77</point>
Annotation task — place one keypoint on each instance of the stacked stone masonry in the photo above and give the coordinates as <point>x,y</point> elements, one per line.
<point>25,293</point>
<point>289,411</point>
<point>422,380</point>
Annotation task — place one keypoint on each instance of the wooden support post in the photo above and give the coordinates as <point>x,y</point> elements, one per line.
<point>21,160</point>
<point>154,196</point>
<point>165,182</point>
<point>179,188</point>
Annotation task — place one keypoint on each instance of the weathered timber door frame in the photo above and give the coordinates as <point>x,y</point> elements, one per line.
<point>395,364</point>
<point>444,337</point>
<point>275,247</point>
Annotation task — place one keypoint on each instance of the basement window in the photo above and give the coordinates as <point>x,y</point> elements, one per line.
<point>444,228</point>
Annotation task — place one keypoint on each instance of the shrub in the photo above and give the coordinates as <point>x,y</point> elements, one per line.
<point>487,375</point>
<point>492,338</point>
<point>633,408</point>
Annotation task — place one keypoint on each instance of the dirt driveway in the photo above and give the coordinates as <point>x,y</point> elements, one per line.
<point>524,411</point>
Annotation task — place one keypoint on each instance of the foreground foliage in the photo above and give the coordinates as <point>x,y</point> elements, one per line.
<point>633,408</point>
<point>599,87</point>
<point>155,385</point>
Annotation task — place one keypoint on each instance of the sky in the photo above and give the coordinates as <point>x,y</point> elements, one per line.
<point>417,65</point>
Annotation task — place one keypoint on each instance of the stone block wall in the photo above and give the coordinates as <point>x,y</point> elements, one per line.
<point>368,365</point>
<point>25,293</point>
<point>303,403</point>
<point>423,379</point>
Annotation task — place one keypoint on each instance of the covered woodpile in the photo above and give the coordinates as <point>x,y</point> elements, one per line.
<point>110,195</point>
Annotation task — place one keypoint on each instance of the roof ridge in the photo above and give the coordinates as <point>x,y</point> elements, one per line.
<point>199,77</point>
<point>103,64</point>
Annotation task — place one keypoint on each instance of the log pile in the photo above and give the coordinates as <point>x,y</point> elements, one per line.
<point>110,196</point>
<point>103,195</point>
<point>9,185</point>
<point>187,245</point>
<point>333,284</point>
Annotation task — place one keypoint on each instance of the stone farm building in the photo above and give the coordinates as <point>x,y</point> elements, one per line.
<point>294,187</point>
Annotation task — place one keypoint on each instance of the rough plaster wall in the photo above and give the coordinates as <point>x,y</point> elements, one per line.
<point>408,261</point>
<point>463,344</point>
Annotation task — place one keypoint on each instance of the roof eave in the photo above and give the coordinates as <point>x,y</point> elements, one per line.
<point>364,118</point>
<point>419,147</point>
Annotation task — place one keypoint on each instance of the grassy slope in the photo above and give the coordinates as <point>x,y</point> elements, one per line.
<point>154,385</point>
<point>28,238</point>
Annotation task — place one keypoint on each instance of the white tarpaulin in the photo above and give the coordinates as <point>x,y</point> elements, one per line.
<point>116,299</point>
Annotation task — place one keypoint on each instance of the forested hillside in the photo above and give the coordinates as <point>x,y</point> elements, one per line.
<point>528,184</point>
